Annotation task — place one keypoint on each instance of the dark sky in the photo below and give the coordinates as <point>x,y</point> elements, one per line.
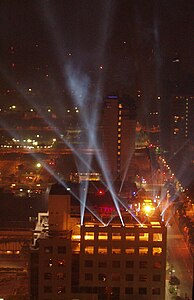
<point>121,46</point>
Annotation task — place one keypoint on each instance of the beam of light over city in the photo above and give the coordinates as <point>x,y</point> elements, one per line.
<point>125,171</point>
<point>128,210</point>
<point>81,199</point>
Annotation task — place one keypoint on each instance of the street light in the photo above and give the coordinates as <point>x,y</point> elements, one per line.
<point>38,165</point>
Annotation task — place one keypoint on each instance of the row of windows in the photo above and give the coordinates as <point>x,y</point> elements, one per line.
<point>117,277</point>
<point>103,277</point>
<point>116,290</point>
<point>130,236</point>
<point>59,276</point>
<point>128,290</point>
<point>142,291</point>
<point>129,250</point>
<point>117,264</point>
<point>103,264</point>
<point>58,262</point>
<point>59,290</point>
<point>60,249</point>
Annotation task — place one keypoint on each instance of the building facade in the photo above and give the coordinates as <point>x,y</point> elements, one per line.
<point>118,136</point>
<point>102,259</point>
<point>182,124</point>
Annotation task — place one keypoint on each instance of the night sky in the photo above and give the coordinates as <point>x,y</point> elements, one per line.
<point>120,46</point>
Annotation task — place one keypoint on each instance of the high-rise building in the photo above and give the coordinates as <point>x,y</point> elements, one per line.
<point>118,136</point>
<point>182,137</point>
<point>99,259</point>
<point>182,124</point>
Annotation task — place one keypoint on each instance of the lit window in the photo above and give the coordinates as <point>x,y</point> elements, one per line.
<point>157,251</point>
<point>119,123</point>
<point>75,237</point>
<point>76,248</point>
<point>116,236</point>
<point>119,153</point>
<point>143,236</point>
<point>130,251</point>
<point>61,262</point>
<point>157,237</point>
<point>89,236</point>
<point>102,250</point>
<point>143,250</point>
<point>103,236</point>
<point>130,236</point>
<point>116,251</point>
<point>89,250</point>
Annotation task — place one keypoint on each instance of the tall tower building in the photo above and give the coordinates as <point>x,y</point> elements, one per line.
<point>118,136</point>
<point>182,137</point>
<point>182,124</point>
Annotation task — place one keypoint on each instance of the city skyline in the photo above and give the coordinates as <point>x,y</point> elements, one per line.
<point>96,122</point>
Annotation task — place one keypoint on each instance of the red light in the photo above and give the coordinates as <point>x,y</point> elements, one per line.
<point>100,192</point>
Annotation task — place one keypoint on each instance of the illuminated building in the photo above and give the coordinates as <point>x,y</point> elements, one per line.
<point>182,139</point>
<point>118,136</point>
<point>101,259</point>
<point>182,125</point>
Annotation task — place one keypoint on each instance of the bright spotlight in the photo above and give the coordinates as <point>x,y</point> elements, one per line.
<point>38,165</point>
<point>148,209</point>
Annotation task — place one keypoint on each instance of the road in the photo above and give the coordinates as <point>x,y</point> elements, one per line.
<point>179,257</point>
